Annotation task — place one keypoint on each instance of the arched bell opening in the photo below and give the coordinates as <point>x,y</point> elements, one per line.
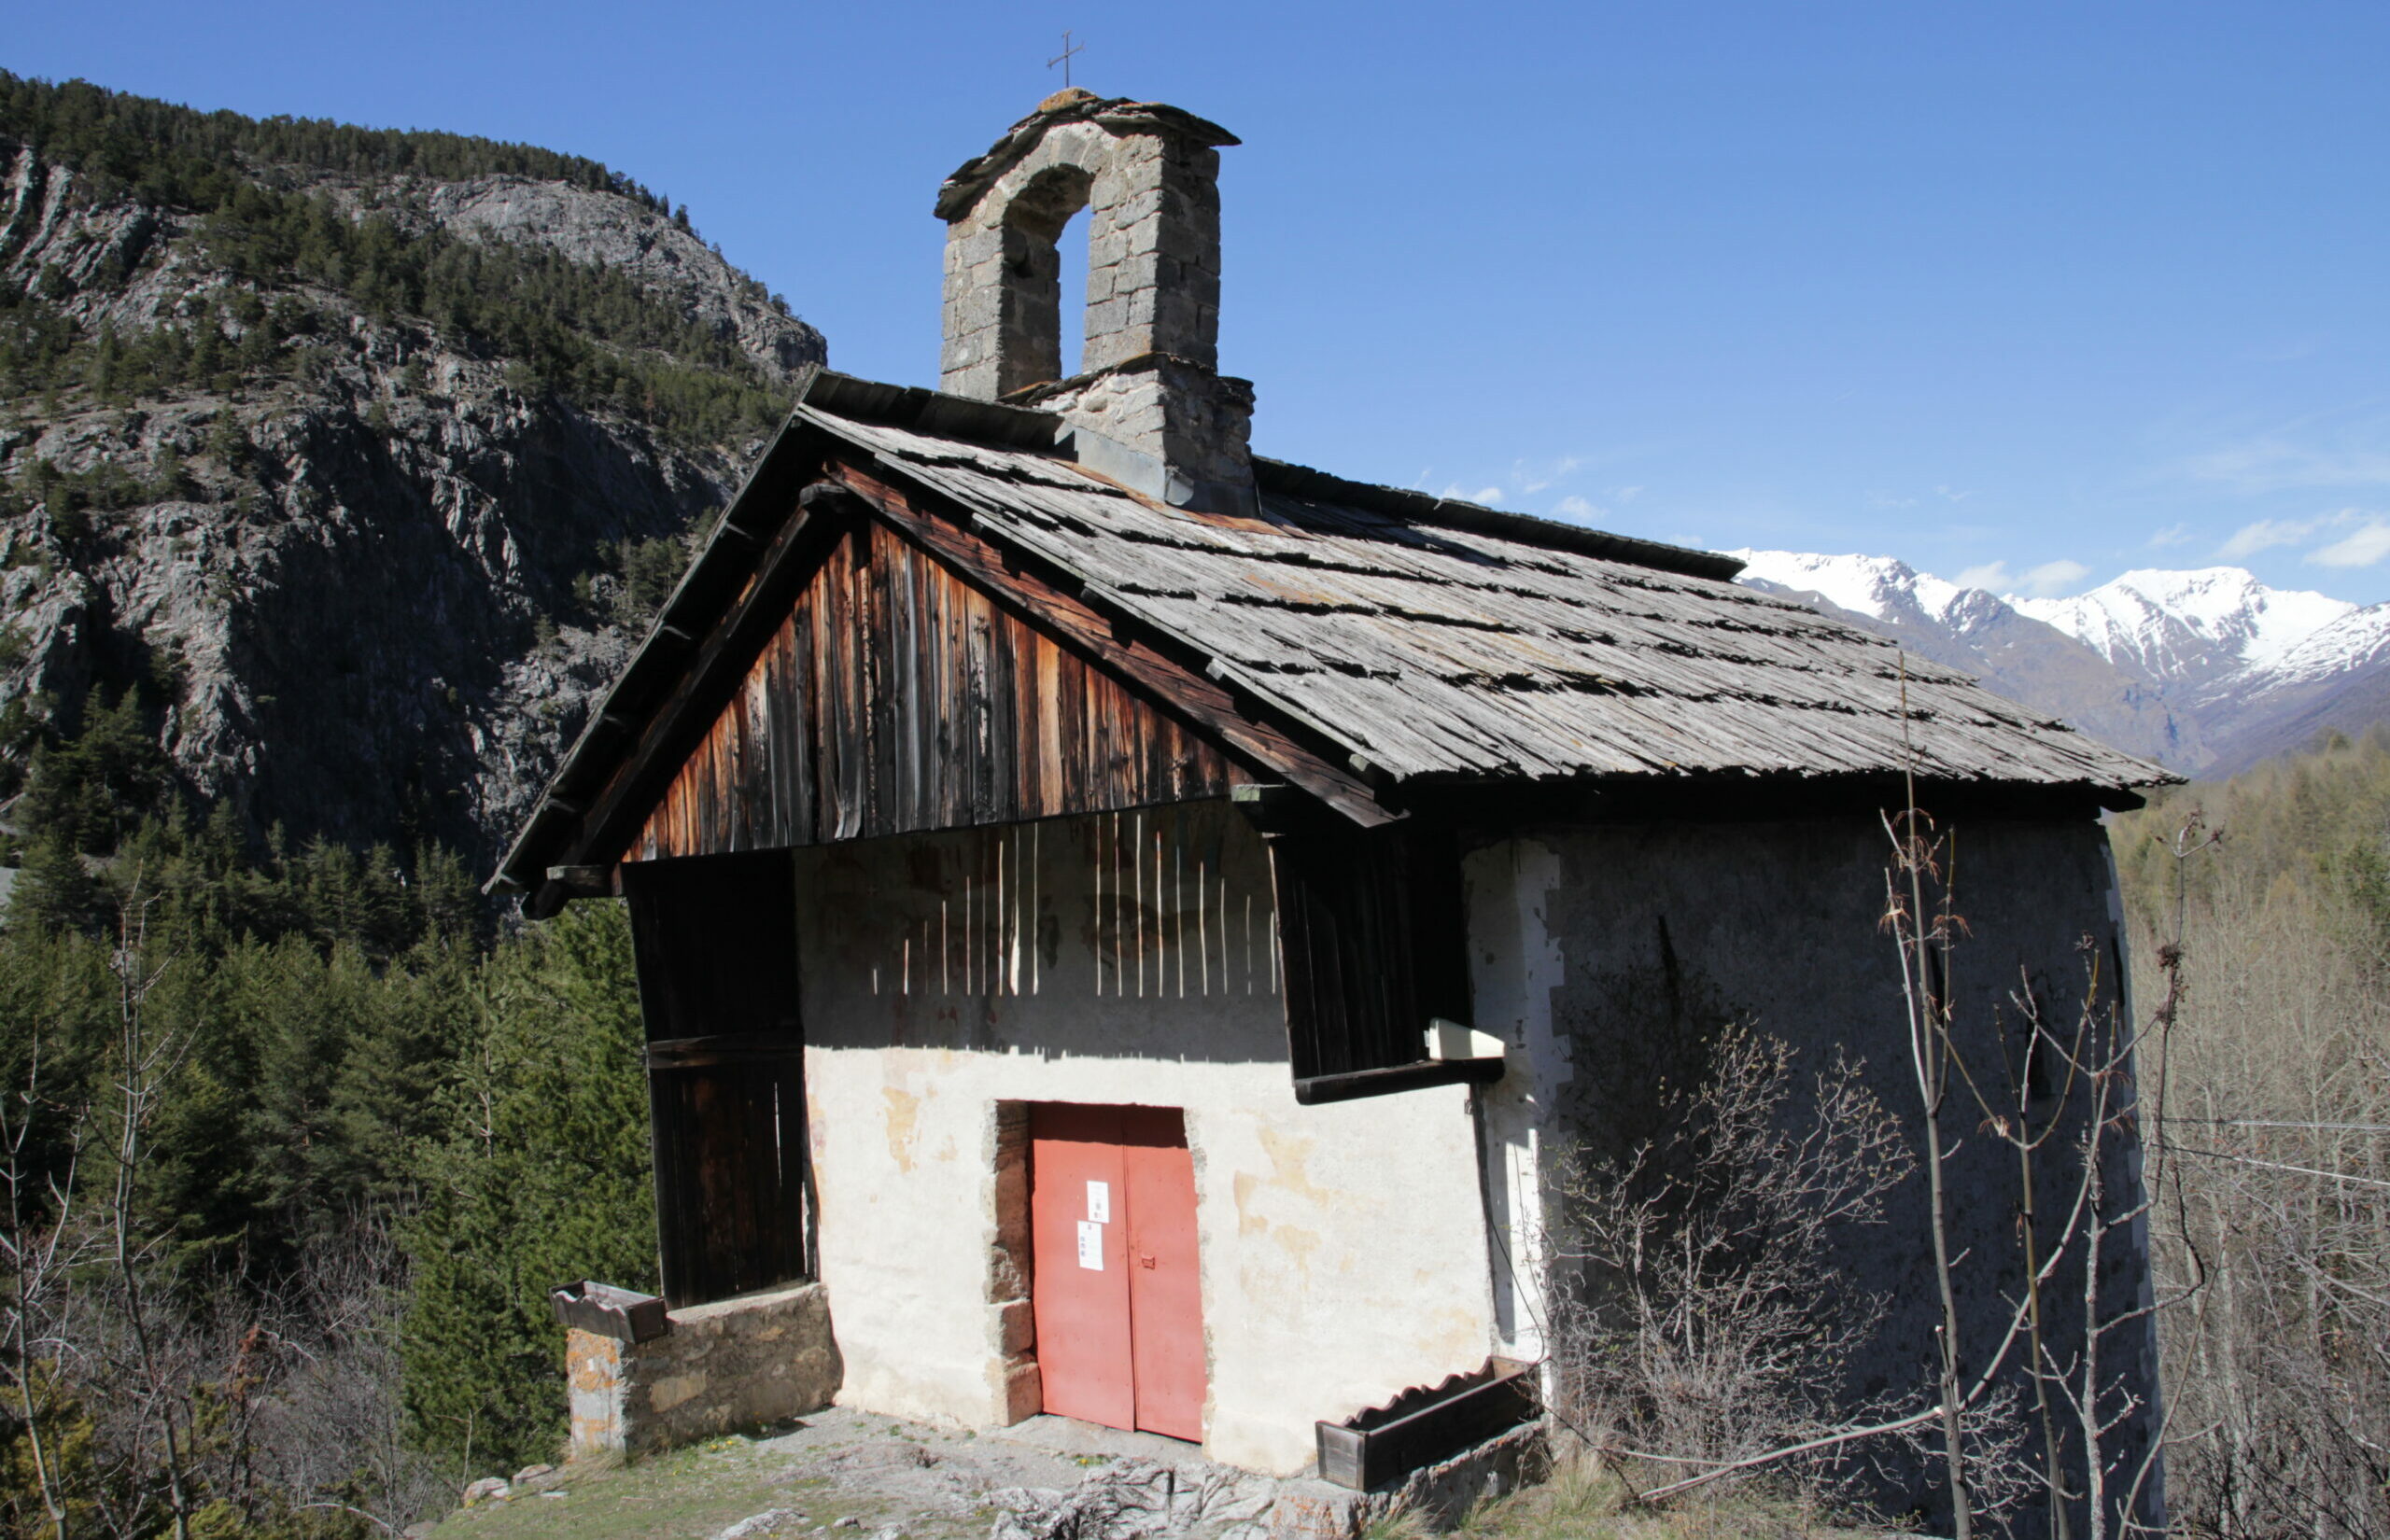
<point>1030,347</point>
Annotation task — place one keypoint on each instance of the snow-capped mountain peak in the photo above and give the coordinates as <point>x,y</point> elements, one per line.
<point>1881,588</point>
<point>2358,639</point>
<point>2207,670</point>
<point>2189,627</point>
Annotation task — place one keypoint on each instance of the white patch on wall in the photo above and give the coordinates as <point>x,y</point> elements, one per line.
<point>1090,1245</point>
<point>1516,963</point>
<point>1099,1202</point>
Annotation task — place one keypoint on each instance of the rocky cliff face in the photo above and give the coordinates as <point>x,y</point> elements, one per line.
<point>367,571</point>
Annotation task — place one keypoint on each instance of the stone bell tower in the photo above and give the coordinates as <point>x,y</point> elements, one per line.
<point>1151,408</point>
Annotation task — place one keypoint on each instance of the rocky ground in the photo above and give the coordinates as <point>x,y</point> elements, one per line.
<point>838,1474</point>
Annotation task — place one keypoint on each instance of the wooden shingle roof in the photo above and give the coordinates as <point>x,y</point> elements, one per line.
<point>1437,651</point>
<point>1424,642</point>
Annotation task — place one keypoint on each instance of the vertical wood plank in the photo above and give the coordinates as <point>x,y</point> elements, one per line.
<point>897,697</point>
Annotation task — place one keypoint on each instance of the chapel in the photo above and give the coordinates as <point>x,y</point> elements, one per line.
<point>1140,924</point>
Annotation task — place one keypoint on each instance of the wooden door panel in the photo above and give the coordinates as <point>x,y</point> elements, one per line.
<point>729,1177</point>
<point>715,940</point>
<point>1165,1283</point>
<point>1082,1313</point>
<point>1371,929</point>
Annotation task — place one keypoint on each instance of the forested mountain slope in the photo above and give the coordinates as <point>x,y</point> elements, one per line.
<point>337,468</point>
<point>353,456</point>
<point>2261,915</point>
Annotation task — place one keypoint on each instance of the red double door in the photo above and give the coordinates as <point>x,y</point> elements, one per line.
<point>1115,1285</point>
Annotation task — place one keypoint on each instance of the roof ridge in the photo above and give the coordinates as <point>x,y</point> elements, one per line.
<point>992,423</point>
<point>1001,425</point>
<point>1422,508</point>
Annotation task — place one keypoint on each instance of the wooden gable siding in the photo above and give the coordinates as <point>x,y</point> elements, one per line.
<point>896,697</point>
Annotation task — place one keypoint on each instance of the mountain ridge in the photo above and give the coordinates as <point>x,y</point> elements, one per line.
<point>2205,670</point>
<point>360,466</point>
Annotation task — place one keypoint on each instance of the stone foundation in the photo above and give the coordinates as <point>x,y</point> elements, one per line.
<point>733,1364</point>
<point>1441,1494</point>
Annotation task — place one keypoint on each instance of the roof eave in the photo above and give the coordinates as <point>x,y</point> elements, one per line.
<point>555,833</point>
<point>1742,795</point>
<point>695,605</point>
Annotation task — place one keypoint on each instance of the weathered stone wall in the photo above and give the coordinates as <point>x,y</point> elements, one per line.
<point>1148,385</point>
<point>1153,206</point>
<point>1192,427</point>
<point>1606,955</point>
<point>1123,958</point>
<point>732,1364</point>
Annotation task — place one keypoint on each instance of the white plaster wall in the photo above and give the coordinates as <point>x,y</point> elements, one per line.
<point>1119,958</point>
<point>1515,963</point>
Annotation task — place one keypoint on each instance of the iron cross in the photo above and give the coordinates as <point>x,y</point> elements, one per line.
<point>1063,58</point>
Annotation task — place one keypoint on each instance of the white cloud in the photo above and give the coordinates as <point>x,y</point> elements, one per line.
<point>2177,534</point>
<point>1626,493</point>
<point>2051,579</point>
<point>1947,495</point>
<point>2265,535</point>
<point>2362,547</point>
<point>1574,507</point>
<point>2279,463</point>
<point>1535,480</point>
<point>1490,495</point>
<point>1991,575</point>
<point>2347,446</point>
<point>2363,538</point>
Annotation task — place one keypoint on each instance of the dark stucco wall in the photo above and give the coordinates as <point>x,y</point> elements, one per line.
<point>1611,955</point>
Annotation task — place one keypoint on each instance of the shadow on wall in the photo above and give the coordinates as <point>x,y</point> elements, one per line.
<point>1671,932</point>
<point>1653,1028</point>
<point>1147,934</point>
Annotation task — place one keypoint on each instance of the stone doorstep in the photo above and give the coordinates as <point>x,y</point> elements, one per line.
<point>702,1380</point>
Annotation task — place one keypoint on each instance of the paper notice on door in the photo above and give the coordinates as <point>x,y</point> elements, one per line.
<point>1099,1202</point>
<point>1091,1243</point>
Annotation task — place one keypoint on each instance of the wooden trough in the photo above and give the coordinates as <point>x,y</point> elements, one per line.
<point>1428,1425</point>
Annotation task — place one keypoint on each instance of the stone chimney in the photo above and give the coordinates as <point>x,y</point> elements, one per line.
<point>1150,408</point>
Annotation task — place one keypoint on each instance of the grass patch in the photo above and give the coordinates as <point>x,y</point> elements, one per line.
<point>689,1493</point>
<point>1585,1501</point>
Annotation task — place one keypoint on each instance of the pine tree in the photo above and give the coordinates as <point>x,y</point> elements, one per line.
<point>542,1179</point>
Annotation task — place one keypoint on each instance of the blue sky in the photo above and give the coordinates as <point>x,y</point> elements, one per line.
<point>2036,292</point>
